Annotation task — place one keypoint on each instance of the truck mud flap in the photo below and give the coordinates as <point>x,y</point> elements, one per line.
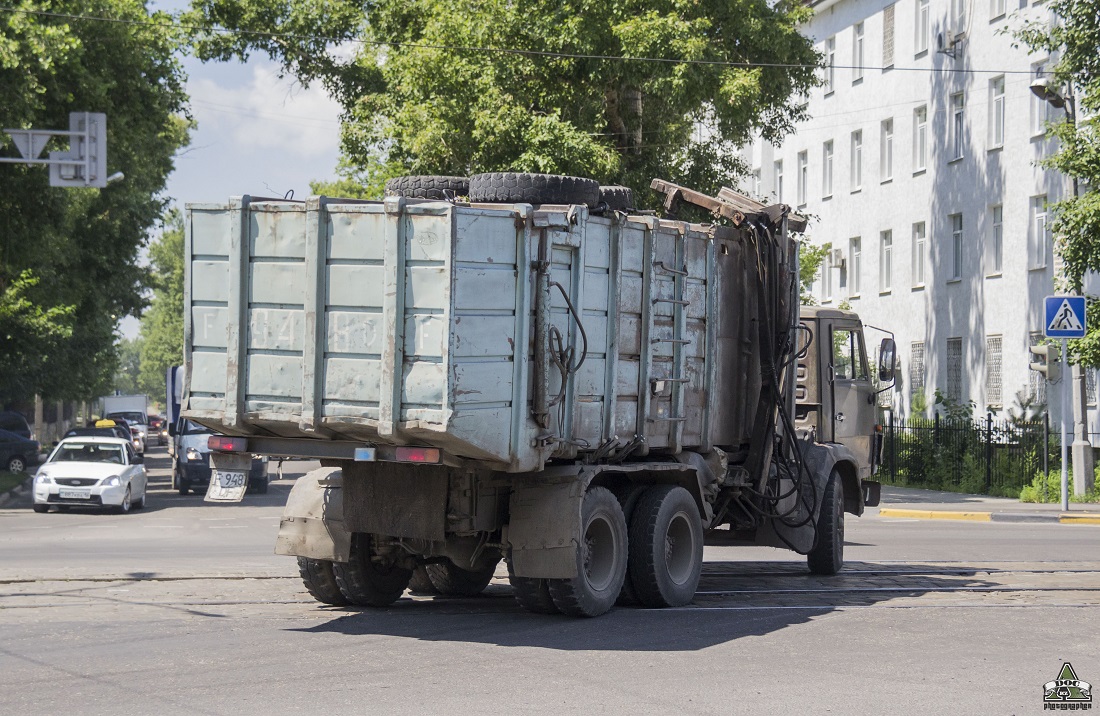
<point>543,524</point>
<point>313,519</point>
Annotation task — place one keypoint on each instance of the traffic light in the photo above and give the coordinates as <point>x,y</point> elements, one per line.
<point>1048,362</point>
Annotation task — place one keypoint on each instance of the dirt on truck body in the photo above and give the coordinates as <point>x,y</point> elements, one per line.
<point>522,367</point>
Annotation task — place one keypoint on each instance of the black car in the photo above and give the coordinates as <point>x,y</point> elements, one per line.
<point>14,422</point>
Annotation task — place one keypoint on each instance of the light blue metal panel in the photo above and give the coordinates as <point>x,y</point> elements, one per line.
<point>425,336</point>
<point>423,385</point>
<point>393,311</point>
<point>275,378</point>
<point>484,287</point>
<point>236,316</point>
<point>210,280</point>
<point>355,332</point>
<point>209,230</point>
<point>426,287</point>
<point>276,329</point>
<point>277,229</point>
<point>485,336</point>
<point>279,283</point>
<point>355,285</point>
<point>354,231</point>
<point>482,382</point>
<point>496,237</point>
<point>313,309</point>
<point>208,326</point>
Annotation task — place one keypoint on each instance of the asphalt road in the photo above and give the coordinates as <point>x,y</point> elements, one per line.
<point>183,609</point>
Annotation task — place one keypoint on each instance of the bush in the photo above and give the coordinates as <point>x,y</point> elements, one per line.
<point>1050,489</point>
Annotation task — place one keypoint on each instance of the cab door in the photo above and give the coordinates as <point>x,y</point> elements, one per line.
<point>853,394</point>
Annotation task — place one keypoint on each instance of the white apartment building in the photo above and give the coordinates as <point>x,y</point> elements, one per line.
<point>918,168</point>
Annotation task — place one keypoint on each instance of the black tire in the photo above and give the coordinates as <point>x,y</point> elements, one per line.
<point>365,582</point>
<point>428,187</point>
<point>452,581</point>
<point>41,508</point>
<point>601,558</point>
<point>320,582</point>
<point>508,187</point>
<point>619,198</point>
<point>532,594</point>
<point>827,556</point>
<point>666,547</point>
<point>628,499</point>
<point>16,464</point>
<point>421,583</point>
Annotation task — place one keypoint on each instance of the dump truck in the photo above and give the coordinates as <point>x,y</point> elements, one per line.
<point>522,367</point>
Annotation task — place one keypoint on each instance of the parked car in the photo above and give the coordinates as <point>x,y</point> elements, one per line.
<point>17,452</point>
<point>91,471</point>
<point>14,422</point>
<point>191,463</point>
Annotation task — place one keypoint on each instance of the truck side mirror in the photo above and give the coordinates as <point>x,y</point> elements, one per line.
<point>172,429</point>
<point>887,360</point>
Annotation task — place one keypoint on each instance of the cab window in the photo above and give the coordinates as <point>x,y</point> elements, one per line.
<point>849,357</point>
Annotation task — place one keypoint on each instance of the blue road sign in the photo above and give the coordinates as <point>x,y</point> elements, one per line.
<point>1064,317</point>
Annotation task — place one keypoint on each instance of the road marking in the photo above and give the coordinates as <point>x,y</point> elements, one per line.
<point>227,527</point>
<point>935,514</point>
<point>1080,519</point>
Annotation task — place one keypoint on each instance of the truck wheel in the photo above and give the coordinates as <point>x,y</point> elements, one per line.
<point>366,582</point>
<point>601,558</point>
<point>428,187</point>
<point>320,582</point>
<point>827,556</point>
<point>532,594</point>
<point>619,198</point>
<point>666,547</point>
<point>453,581</point>
<point>628,499</point>
<point>508,187</point>
<point>421,582</point>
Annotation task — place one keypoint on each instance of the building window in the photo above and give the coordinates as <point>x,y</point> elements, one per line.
<point>886,151</point>
<point>827,169</point>
<point>886,261</point>
<point>923,27</point>
<point>777,189</point>
<point>1040,108</point>
<point>955,368</point>
<point>1037,384</point>
<point>803,177</point>
<point>857,160</point>
<point>996,9</point>
<point>830,65</point>
<point>956,246</point>
<point>888,36</point>
<point>993,371</point>
<point>997,112</point>
<point>756,187</point>
<point>827,278</point>
<point>857,52</point>
<point>958,124</point>
<point>920,253</point>
<point>996,240</point>
<point>958,15</point>
<point>916,369</point>
<point>1038,234</point>
<point>920,139</point>
<point>855,265</point>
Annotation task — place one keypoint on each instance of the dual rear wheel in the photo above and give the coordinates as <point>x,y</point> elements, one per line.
<point>644,547</point>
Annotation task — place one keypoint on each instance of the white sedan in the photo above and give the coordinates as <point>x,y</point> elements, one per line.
<point>91,472</point>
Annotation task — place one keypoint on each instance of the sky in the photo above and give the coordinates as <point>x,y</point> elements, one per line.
<point>257,134</point>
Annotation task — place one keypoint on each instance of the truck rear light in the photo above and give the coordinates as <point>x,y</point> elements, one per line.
<point>418,454</point>
<point>221,443</point>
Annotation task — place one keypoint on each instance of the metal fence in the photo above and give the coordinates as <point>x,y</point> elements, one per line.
<point>984,455</point>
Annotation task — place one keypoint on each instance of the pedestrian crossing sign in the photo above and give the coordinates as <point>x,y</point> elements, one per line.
<point>1064,317</point>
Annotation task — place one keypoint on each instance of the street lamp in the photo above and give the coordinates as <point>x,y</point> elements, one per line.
<point>1048,91</point>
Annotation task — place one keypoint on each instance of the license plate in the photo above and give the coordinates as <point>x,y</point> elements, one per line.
<point>227,486</point>
<point>74,494</point>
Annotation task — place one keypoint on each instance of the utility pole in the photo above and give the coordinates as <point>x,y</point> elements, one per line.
<point>1081,450</point>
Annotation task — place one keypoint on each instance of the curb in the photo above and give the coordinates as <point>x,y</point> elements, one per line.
<point>1067,518</point>
<point>16,491</point>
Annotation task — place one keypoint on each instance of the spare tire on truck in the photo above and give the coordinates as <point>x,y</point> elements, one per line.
<point>512,187</point>
<point>426,186</point>
<point>617,198</point>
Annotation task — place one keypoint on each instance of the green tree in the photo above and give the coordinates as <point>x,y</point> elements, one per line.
<point>809,263</point>
<point>68,257</point>
<point>1074,40</point>
<point>129,362</point>
<point>534,85</point>
<point>162,323</point>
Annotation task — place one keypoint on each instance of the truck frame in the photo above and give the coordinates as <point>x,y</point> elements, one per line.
<point>431,354</point>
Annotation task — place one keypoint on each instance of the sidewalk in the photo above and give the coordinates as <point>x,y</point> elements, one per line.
<point>931,504</point>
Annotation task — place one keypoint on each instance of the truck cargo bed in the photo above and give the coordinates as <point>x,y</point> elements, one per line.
<point>430,323</point>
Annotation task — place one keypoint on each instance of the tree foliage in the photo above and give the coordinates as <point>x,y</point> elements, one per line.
<point>162,323</point>
<point>534,85</point>
<point>68,257</point>
<point>1074,40</point>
